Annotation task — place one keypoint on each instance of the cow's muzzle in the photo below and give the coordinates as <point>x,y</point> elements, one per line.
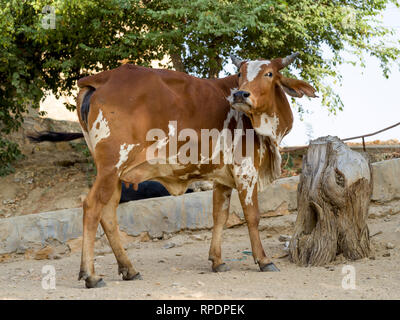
<point>240,96</point>
<point>241,101</point>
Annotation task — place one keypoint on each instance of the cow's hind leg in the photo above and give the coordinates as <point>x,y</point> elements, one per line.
<point>221,200</point>
<point>110,226</point>
<point>99,195</point>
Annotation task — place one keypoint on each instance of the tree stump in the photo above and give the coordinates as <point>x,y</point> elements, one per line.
<point>333,198</point>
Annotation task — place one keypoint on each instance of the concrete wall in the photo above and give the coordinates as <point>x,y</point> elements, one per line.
<point>189,211</point>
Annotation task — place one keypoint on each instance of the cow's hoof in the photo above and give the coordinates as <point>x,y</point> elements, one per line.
<point>223,267</point>
<point>94,282</point>
<point>136,276</point>
<point>127,275</point>
<point>269,267</point>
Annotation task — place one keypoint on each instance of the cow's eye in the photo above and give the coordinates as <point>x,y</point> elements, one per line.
<point>239,74</point>
<point>269,74</point>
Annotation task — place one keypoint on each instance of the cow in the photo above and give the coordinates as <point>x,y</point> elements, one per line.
<point>122,111</point>
<point>129,192</point>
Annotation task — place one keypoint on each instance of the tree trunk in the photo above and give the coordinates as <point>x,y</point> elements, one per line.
<point>333,197</point>
<point>177,62</point>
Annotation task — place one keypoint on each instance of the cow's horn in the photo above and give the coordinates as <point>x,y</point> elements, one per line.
<point>236,61</point>
<point>289,59</point>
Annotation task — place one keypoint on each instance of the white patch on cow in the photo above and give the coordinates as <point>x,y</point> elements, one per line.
<point>124,152</point>
<point>230,97</point>
<point>268,126</point>
<point>99,130</point>
<point>232,114</point>
<point>224,142</point>
<point>271,170</point>
<point>254,67</point>
<point>247,176</point>
<point>261,150</point>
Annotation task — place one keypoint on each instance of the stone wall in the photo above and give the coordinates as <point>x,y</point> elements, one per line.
<point>192,211</point>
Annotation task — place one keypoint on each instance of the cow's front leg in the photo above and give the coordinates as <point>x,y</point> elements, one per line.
<point>221,201</point>
<point>249,204</point>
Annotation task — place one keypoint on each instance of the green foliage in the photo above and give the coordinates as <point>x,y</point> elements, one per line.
<point>9,153</point>
<point>198,35</point>
<point>205,32</point>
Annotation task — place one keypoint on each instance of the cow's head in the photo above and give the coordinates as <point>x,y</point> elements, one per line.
<point>260,96</point>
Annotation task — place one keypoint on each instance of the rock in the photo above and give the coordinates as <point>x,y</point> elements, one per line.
<point>284,238</point>
<point>102,246</point>
<point>390,245</point>
<point>75,245</point>
<point>198,237</point>
<point>233,220</point>
<point>286,245</point>
<point>126,239</point>
<point>45,253</point>
<point>54,256</point>
<point>378,210</point>
<point>195,295</point>
<point>166,236</point>
<point>21,250</point>
<point>386,254</point>
<point>385,175</point>
<point>282,210</point>
<point>82,197</point>
<point>278,196</point>
<point>4,257</point>
<point>169,245</point>
<point>201,186</point>
<point>144,237</point>
<point>200,283</point>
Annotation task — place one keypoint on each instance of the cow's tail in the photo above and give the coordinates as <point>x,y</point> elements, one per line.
<point>88,86</point>
<point>53,136</point>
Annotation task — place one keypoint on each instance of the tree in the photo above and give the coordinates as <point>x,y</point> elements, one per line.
<point>88,35</point>
<point>205,32</point>
<point>198,35</point>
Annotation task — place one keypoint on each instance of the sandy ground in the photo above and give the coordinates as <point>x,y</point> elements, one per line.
<point>183,272</point>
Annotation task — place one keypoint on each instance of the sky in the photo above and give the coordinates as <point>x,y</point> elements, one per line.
<point>371,102</point>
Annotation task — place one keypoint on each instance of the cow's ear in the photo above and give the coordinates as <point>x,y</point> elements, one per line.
<point>297,88</point>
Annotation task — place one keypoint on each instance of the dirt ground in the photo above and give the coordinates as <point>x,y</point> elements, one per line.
<point>51,176</point>
<point>183,272</point>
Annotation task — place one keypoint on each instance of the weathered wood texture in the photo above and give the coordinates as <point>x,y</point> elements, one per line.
<point>333,199</point>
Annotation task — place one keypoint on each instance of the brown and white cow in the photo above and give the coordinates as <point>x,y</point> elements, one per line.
<point>118,108</point>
